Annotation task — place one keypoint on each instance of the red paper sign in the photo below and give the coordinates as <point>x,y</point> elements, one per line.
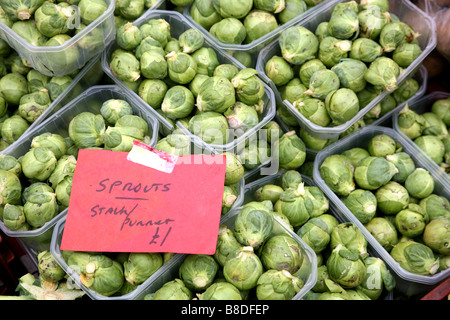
<point>117,205</point>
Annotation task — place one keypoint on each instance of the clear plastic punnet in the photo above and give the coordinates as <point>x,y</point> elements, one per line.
<point>90,100</point>
<point>407,282</point>
<point>421,76</point>
<point>90,75</point>
<point>89,43</point>
<point>421,106</point>
<point>171,271</point>
<point>260,181</point>
<point>253,48</point>
<point>406,11</point>
<point>178,24</point>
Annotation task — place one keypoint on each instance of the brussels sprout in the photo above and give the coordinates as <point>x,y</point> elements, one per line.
<point>436,206</point>
<point>206,60</point>
<point>332,50</point>
<point>158,29</point>
<point>153,65</point>
<point>404,163</point>
<point>243,269</point>
<point>182,67</point>
<point>282,252</point>
<point>178,102</point>
<point>129,36</point>
<point>434,125</point>
<point>411,123</point>
<point>125,66</point>
<point>298,45</point>
<point>377,279</point>
<point>13,86</point>
<point>366,50</point>
<point>362,203</point>
<point>52,19</point>
<point>344,24</point>
<point>411,222</point>
<point>22,10</point>
<point>371,22</point>
<point>351,74</point>
<point>216,94</point>
<point>171,290</point>
<point>67,57</point>
<point>221,291</point>
<point>355,155</point>
<point>39,163</point>
<point>13,127</point>
<point>420,183</point>
<point>321,83</point>
<point>65,166</point>
<point>241,117</point>
<point>191,40</point>
<point>383,73</point>
<point>29,31</point>
<point>290,150</point>
<point>252,227</point>
<point>406,90</point>
<point>279,71</point>
<point>235,8</point>
<point>248,87</point>
<point>113,109</point>
<point>258,23</point>
<point>11,188</point>
<point>346,267</point>
<point>49,269</point>
<point>315,233</point>
<point>350,236</point>
<point>297,205</point>
<point>234,169</point>
<point>63,190</point>
<point>269,192</point>
<point>226,245</point>
<point>36,80</point>
<point>90,10</point>
<point>432,146</point>
<point>383,231</point>
<point>152,91</point>
<point>57,85</point>
<point>54,142</point>
<point>308,69</point>
<point>313,110</point>
<point>292,9</point>
<point>321,31</point>
<point>146,44</point>
<point>204,13</point>
<point>373,172</point>
<point>32,105</point>
<point>342,105</point>
<point>381,145</point>
<point>436,235</point>
<point>441,108</point>
<point>11,164</point>
<point>285,116</point>
<point>277,285</point>
<point>406,53</point>
<point>229,30</point>
<point>40,208</point>
<point>14,217</point>
<point>198,271</point>
<point>210,126</point>
<point>87,130</point>
<point>392,35</point>
<point>291,179</point>
<point>99,273</point>
<point>337,172</point>
<point>226,70</point>
<point>196,83</point>
<point>415,257</point>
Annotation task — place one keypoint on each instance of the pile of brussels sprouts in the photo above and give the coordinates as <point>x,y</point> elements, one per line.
<point>395,200</point>
<point>429,131</point>
<point>52,23</point>
<point>36,186</point>
<point>331,73</point>
<point>183,80</point>
<point>244,21</point>
<point>25,94</point>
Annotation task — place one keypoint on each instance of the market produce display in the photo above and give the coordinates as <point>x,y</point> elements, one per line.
<point>429,130</point>
<point>395,201</point>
